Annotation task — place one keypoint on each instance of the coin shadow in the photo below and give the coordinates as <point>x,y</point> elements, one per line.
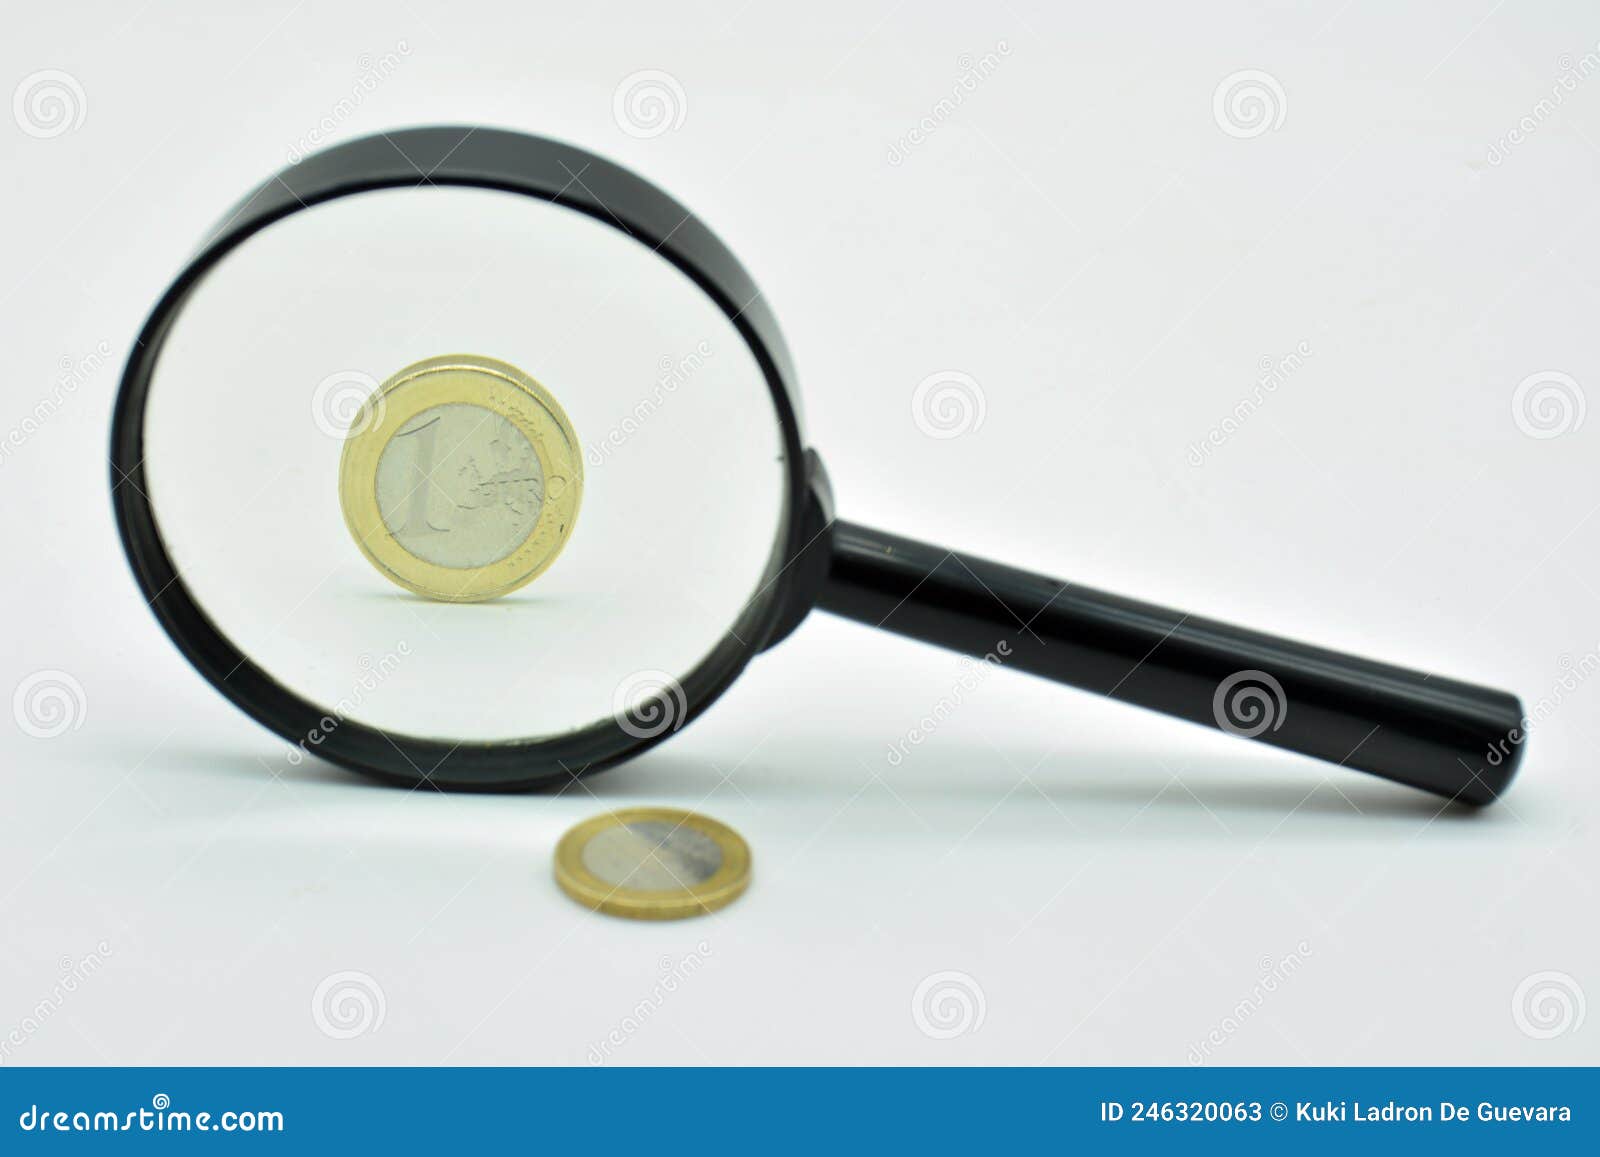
<point>525,597</point>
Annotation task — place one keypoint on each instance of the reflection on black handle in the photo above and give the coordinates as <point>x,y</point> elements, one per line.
<point>1454,739</point>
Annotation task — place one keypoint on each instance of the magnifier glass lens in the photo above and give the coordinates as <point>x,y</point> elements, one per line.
<point>572,500</point>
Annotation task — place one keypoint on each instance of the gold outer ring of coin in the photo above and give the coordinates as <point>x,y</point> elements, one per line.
<point>724,886</point>
<point>476,381</point>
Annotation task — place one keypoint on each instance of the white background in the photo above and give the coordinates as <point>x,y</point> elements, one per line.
<point>1083,238</point>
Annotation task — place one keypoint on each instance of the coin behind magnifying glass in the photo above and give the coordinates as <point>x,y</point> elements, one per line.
<point>461,478</point>
<point>653,863</point>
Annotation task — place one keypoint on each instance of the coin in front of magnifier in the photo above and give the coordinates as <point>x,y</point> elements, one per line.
<point>653,863</point>
<point>461,478</point>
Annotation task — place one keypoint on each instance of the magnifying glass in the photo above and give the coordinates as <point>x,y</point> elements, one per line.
<point>466,458</point>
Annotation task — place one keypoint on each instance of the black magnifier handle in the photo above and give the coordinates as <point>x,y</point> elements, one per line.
<point>1451,738</point>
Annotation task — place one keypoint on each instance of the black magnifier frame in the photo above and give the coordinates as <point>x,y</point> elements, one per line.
<point>1453,739</point>
<point>532,167</point>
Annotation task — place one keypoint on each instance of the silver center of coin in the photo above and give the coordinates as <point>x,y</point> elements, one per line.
<point>460,486</point>
<point>652,856</point>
